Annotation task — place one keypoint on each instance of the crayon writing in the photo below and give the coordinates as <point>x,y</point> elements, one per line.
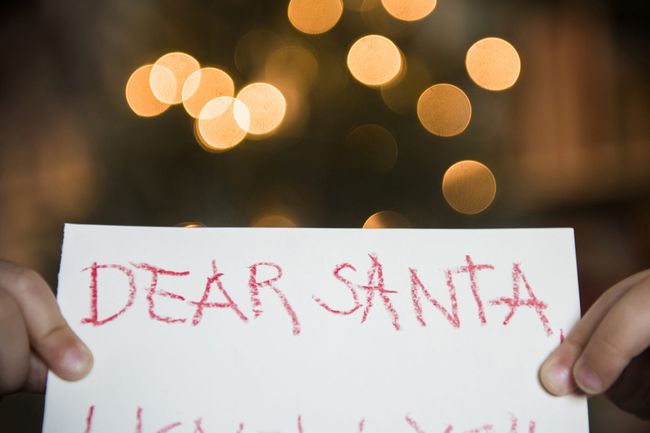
<point>265,278</point>
<point>255,285</point>
<point>215,278</point>
<point>197,426</point>
<point>485,428</point>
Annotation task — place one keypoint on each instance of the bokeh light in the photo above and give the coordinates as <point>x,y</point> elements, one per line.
<point>218,127</point>
<point>139,95</point>
<point>314,16</point>
<point>444,110</point>
<point>371,147</point>
<point>168,86</point>
<point>293,62</point>
<point>402,95</point>
<point>297,113</point>
<point>266,106</point>
<point>374,60</point>
<point>409,10</point>
<point>293,69</point>
<point>493,64</point>
<point>191,224</point>
<point>204,85</point>
<point>469,187</point>
<point>273,220</point>
<point>386,219</point>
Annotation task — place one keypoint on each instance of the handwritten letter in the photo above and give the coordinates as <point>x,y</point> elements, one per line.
<point>315,330</point>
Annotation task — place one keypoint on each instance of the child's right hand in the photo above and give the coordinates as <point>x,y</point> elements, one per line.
<point>33,334</point>
<point>608,350</point>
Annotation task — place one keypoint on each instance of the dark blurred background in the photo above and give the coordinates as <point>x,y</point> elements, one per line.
<point>569,144</point>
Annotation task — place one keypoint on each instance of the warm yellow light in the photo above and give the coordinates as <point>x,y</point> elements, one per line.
<point>297,108</point>
<point>314,16</point>
<point>402,95</point>
<point>493,64</point>
<point>266,106</point>
<point>386,219</point>
<point>469,187</point>
<point>191,225</point>
<point>139,95</point>
<point>293,69</point>
<point>294,63</point>
<point>273,220</point>
<point>218,127</point>
<point>169,74</point>
<point>204,85</point>
<point>409,10</point>
<point>444,110</point>
<point>374,60</point>
<point>372,147</point>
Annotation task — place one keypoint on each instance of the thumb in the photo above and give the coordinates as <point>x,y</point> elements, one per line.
<point>49,334</point>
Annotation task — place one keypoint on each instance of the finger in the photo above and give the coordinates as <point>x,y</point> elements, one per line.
<point>556,371</point>
<point>36,376</point>
<point>49,334</point>
<point>631,391</point>
<point>14,345</point>
<point>623,334</point>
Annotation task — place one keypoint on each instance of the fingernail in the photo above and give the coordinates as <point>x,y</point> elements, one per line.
<point>556,377</point>
<point>587,379</point>
<point>77,361</point>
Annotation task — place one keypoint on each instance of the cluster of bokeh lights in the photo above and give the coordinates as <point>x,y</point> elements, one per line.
<point>443,109</point>
<point>224,117</point>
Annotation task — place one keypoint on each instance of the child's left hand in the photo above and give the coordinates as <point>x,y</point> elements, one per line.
<point>608,350</point>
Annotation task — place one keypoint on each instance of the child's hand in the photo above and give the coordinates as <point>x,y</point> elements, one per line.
<point>607,351</point>
<point>33,334</point>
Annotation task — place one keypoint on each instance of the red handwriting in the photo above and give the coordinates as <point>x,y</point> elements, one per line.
<point>215,278</point>
<point>485,428</point>
<point>452,317</point>
<point>349,285</point>
<point>156,272</point>
<point>198,425</point>
<point>409,422</point>
<point>89,419</point>
<point>154,291</point>
<point>255,285</point>
<point>94,291</point>
<point>516,301</point>
<point>416,284</point>
<point>138,423</point>
<point>514,422</point>
<point>369,294</point>
<point>471,269</point>
<point>375,285</point>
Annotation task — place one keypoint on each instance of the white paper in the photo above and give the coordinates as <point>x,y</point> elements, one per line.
<point>258,364</point>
